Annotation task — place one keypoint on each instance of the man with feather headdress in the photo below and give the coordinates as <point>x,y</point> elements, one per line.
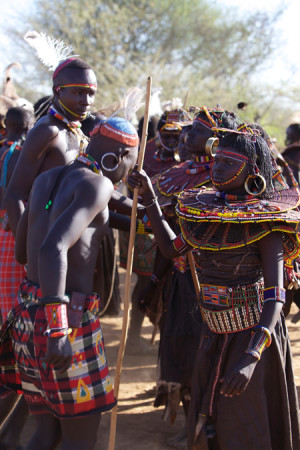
<point>56,138</point>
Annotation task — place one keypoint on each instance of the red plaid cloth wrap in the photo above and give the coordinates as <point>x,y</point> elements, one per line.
<point>11,272</point>
<point>86,387</point>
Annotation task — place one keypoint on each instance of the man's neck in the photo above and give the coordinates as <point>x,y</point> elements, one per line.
<point>63,113</point>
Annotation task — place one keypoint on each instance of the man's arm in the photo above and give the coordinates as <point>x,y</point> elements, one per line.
<point>123,205</point>
<point>26,170</point>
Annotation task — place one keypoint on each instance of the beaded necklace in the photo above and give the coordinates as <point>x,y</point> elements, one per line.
<point>232,197</point>
<point>89,161</point>
<point>73,126</point>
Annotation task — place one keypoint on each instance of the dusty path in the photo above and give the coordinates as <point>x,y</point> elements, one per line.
<point>139,424</point>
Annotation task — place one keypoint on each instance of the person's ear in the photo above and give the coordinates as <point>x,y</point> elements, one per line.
<point>56,90</point>
<point>124,152</point>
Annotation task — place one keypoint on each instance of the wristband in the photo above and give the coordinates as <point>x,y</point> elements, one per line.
<point>56,315</point>
<point>58,332</point>
<point>180,244</point>
<point>150,202</point>
<point>260,339</point>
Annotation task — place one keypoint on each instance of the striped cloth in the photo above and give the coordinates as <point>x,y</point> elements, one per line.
<point>11,272</point>
<point>85,388</point>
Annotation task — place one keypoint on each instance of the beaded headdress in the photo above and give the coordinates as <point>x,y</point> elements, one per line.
<point>118,129</point>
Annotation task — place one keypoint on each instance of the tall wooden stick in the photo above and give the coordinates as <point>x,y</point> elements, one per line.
<point>113,418</point>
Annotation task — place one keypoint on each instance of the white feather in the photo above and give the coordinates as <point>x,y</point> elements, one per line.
<point>155,105</point>
<point>132,102</point>
<point>49,50</point>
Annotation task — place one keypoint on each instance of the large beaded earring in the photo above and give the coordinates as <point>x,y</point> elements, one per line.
<point>109,169</point>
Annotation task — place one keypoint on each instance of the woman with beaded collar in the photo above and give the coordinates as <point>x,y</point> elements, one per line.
<point>242,396</point>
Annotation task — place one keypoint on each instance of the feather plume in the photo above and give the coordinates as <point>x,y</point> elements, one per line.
<point>155,106</point>
<point>132,102</point>
<point>49,50</point>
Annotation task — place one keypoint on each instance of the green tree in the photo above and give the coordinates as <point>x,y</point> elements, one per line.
<point>185,45</point>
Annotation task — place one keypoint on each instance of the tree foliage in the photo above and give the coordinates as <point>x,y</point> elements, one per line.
<point>185,45</point>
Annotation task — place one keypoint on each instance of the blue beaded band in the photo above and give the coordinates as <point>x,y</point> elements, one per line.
<point>274,293</point>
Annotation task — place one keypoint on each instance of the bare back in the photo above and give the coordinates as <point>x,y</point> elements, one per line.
<point>74,225</point>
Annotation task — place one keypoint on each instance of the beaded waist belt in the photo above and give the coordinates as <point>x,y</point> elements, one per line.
<point>243,307</point>
<point>30,292</point>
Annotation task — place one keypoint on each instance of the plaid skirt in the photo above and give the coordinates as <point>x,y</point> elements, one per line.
<point>11,272</point>
<point>85,388</point>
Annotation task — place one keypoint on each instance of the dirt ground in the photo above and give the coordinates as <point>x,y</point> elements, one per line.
<point>139,424</point>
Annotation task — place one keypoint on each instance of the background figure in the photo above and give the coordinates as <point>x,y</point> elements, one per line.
<point>17,122</point>
<point>291,155</point>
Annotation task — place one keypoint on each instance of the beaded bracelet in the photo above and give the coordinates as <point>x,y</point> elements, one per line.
<point>56,315</point>
<point>274,293</point>
<point>260,339</point>
<point>61,332</point>
<point>179,244</point>
<point>150,202</point>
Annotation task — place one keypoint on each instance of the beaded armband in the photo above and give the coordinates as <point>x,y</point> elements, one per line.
<point>56,315</point>
<point>260,339</point>
<point>180,244</point>
<point>274,293</point>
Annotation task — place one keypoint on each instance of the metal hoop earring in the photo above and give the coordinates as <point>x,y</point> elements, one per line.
<point>211,146</point>
<point>110,169</point>
<point>253,177</point>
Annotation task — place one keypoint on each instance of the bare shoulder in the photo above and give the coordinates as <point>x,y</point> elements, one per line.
<point>44,132</point>
<point>96,187</point>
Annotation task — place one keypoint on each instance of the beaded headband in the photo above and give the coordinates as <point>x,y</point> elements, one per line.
<point>232,155</point>
<point>61,66</point>
<point>83,85</point>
